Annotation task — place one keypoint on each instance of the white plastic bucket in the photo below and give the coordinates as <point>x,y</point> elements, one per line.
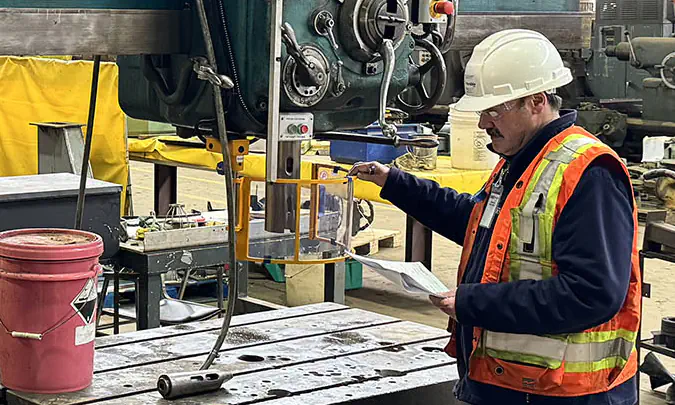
<point>468,142</point>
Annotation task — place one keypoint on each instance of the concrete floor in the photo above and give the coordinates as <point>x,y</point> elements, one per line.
<point>196,188</point>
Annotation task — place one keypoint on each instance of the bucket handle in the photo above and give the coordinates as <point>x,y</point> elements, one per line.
<point>95,271</point>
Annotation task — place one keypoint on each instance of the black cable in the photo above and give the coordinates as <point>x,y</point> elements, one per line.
<point>233,280</point>
<point>233,65</point>
<point>87,143</point>
<point>450,29</point>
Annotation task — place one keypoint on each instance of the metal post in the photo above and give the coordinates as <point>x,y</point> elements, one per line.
<point>334,282</point>
<point>280,199</point>
<point>220,289</point>
<point>275,213</point>
<point>116,300</point>
<point>150,291</point>
<point>243,279</point>
<point>639,335</point>
<point>87,143</point>
<point>418,242</point>
<point>166,188</point>
<point>276,17</point>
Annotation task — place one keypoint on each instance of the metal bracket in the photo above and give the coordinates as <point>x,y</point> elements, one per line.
<point>372,68</point>
<point>60,148</point>
<point>206,72</point>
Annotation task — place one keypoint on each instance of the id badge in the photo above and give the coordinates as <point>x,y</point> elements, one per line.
<point>491,206</point>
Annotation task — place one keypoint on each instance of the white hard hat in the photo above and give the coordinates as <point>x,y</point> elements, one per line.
<point>509,65</point>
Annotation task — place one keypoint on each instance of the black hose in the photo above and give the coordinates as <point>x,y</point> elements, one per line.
<point>449,36</point>
<point>233,65</point>
<point>155,78</point>
<point>229,185</point>
<point>87,142</point>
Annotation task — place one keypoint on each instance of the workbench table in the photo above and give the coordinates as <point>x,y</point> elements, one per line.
<point>151,265</point>
<point>311,355</point>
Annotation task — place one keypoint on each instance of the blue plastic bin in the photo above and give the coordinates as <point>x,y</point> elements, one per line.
<point>348,152</point>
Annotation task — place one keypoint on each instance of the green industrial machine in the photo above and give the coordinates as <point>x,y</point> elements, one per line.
<point>607,77</point>
<point>286,71</point>
<point>342,91</point>
<point>339,39</point>
<point>157,44</point>
<point>624,102</point>
<point>656,56</point>
<point>96,4</point>
<point>567,23</point>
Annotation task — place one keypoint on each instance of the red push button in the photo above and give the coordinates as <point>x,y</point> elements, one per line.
<point>304,129</point>
<point>444,7</point>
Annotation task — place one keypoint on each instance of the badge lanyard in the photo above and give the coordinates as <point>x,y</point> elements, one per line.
<point>492,205</point>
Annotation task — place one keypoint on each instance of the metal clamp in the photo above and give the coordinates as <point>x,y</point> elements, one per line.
<point>206,72</point>
<point>387,52</point>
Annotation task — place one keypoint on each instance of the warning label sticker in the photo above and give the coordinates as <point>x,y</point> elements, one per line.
<point>85,334</point>
<point>85,302</point>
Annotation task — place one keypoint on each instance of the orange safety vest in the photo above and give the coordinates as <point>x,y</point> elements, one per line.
<point>591,361</point>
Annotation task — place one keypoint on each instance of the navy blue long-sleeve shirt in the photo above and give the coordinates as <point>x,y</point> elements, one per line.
<point>592,245</point>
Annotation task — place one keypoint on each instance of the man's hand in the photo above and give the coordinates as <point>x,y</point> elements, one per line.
<point>372,171</point>
<point>447,304</point>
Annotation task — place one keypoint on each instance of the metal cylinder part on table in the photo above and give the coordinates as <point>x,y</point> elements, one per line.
<point>177,385</point>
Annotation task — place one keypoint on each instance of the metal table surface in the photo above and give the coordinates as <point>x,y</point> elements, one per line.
<point>316,354</point>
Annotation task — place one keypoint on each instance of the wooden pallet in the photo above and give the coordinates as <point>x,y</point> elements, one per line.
<point>370,241</point>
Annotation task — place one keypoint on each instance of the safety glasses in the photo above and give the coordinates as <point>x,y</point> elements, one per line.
<point>496,113</point>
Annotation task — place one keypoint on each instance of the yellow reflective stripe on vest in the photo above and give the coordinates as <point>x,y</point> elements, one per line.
<point>530,349</point>
<point>602,336</point>
<point>612,362</point>
<point>532,222</point>
<point>550,352</point>
<point>596,351</point>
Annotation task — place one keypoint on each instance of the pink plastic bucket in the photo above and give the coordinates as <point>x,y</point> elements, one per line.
<point>48,309</point>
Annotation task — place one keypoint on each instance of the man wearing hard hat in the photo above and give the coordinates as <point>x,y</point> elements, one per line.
<point>547,307</point>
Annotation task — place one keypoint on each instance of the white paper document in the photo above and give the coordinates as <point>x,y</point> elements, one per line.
<point>414,277</point>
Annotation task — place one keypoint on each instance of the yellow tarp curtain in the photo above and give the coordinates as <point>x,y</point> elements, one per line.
<point>51,90</point>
